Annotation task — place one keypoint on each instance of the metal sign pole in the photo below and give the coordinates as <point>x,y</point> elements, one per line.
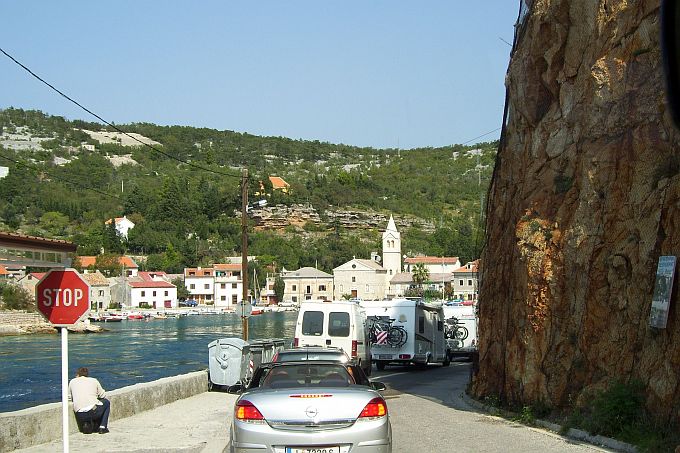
<point>64,387</point>
<point>244,252</point>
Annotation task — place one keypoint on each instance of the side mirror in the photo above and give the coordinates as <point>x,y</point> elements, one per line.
<point>236,388</point>
<point>379,386</point>
<point>670,50</point>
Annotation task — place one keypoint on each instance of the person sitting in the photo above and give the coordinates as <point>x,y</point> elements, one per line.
<point>89,402</point>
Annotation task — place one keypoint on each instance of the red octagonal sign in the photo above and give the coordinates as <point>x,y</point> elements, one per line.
<point>63,297</point>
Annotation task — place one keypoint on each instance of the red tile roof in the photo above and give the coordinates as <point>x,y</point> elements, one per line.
<point>125,261</point>
<point>278,182</point>
<point>227,267</point>
<point>37,275</point>
<point>34,241</point>
<point>149,276</point>
<point>431,260</point>
<point>3,270</point>
<point>202,272</point>
<point>151,285</point>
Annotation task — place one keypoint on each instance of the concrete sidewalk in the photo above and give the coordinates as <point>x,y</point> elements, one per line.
<point>196,424</point>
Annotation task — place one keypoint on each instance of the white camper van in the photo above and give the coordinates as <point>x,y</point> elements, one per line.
<point>341,324</point>
<point>466,343</point>
<point>418,329</point>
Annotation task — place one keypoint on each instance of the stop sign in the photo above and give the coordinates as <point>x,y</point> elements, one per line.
<point>63,297</point>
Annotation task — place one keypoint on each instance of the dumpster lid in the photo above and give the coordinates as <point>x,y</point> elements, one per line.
<point>233,342</point>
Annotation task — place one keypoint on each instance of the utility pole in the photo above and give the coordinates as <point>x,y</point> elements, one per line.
<point>244,251</point>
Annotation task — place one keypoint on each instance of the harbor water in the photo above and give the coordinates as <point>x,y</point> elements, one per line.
<point>129,352</point>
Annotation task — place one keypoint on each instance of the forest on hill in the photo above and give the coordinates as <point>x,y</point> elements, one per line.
<point>183,194</point>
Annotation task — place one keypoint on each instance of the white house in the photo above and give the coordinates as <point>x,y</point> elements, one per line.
<point>228,285</point>
<point>123,225</point>
<point>154,294</point>
<point>200,283</point>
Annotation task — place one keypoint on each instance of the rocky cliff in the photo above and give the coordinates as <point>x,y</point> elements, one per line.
<point>585,198</point>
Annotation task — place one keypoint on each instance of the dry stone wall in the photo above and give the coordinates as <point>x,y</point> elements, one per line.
<point>585,198</point>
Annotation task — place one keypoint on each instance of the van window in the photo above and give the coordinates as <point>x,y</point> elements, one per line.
<point>312,323</point>
<point>421,324</point>
<point>338,324</point>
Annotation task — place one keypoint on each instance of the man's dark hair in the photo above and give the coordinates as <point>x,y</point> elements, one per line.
<point>83,371</point>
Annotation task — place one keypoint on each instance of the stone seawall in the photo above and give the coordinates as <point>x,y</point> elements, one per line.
<point>21,322</point>
<point>41,424</point>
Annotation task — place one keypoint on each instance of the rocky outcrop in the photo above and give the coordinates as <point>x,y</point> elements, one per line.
<point>21,322</point>
<point>278,217</point>
<point>585,198</point>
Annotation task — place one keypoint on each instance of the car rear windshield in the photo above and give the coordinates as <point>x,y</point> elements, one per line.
<point>338,324</point>
<point>312,323</point>
<point>291,356</point>
<point>307,375</point>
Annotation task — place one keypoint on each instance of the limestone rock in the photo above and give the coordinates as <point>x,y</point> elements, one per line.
<point>585,198</point>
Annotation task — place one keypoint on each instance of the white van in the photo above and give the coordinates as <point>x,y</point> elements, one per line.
<point>341,324</point>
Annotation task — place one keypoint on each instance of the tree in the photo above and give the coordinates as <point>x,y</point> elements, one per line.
<point>108,264</point>
<point>16,298</point>
<point>279,288</point>
<point>420,275</point>
<point>182,291</point>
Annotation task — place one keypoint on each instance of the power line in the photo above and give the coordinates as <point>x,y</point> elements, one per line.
<point>170,156</point>
<point>483,135</point>
<point>82,186</point>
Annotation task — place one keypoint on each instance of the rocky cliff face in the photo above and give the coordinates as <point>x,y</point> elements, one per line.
<point>585,198</point>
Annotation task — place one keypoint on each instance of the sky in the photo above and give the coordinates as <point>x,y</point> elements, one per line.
<point>385,74</point>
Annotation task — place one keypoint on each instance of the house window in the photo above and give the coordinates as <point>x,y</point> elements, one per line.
<point>192,273</point>
<point>354,279</point>
<point>368,288</point>
<point>206,286</point>
<point>223,298</point>
<point>461,282</point>
<point>469,282</point>
<point>308,290</point>
<point>192,286</point>
<point>223,286</point>
<point>234,299</point>
<point>322,287</point>
<point>294,287</point>
<point>154,294</point>
<point>101,292</point>
<point>233,286</point>
<point>208,297</point>
<point>166,294</point>
<point>143,293</point>
<point>294,298</point>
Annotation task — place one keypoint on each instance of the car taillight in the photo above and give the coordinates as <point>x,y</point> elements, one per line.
<point>247,412</point>
<point>296,341</point>
<point>404,356</point>
<point>375,408</point>
<point>354,348</point>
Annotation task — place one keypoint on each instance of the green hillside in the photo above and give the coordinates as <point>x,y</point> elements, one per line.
<point>183,194</point>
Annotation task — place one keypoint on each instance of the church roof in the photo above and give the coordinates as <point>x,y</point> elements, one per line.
<point>390,225</point>
<point>306,272</point>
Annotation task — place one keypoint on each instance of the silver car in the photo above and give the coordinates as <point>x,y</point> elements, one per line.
<point>310,407</point>
<point>311,353</point>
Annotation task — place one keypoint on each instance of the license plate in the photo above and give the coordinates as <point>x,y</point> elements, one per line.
<point>312,449</point>
<point>384,356</point>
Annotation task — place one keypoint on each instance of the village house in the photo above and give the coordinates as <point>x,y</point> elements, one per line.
<point>123,225</point>
<point>228,285</point>
<point>127,265</point>
<point>306,283</point>
<point>100,290</point>
<point>360,279</point>
<point>200,282</point>
<point>434,264</point>
<point>146,290</point>
<point>465,283</point>
<point>29,281</point>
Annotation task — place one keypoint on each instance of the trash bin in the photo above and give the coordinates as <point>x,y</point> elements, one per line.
<point>263,351</point>
<point>227,361</point>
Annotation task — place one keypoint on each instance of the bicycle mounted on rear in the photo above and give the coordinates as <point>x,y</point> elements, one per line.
<point>382,332</point>
<point>455,330</point>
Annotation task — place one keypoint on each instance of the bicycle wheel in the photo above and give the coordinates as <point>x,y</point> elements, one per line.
<point>395,337</point>
<point>462,333</point>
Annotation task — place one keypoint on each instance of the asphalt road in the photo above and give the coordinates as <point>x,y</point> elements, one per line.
<point>427,412</point>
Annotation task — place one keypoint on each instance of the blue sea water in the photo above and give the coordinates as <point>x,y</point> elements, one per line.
<point>128,353</point>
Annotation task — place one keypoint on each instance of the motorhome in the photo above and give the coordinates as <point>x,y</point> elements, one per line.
<point>466,342</point>
<point>340,324</point>
<point>415,332</point>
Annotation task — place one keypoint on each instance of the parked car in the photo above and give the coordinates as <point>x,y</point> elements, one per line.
<point>310,406</point>
<point>311,353</point>
<point>188,303</point>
